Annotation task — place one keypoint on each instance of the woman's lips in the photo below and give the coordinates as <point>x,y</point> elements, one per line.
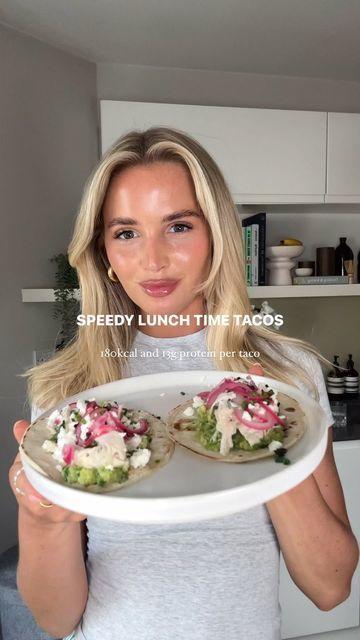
<point>159,288</point>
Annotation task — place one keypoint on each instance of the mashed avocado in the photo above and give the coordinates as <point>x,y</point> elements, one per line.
<point>100,476</point>
<point>210,438</point>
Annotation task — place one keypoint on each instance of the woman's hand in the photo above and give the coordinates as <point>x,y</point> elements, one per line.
<point>31,501</point>
<point>256,370</point>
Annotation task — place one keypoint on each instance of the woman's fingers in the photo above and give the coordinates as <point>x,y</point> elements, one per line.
<point>19,429</point>
<point>27,496</point>
<point>256,370</point>
<point>33,502</point>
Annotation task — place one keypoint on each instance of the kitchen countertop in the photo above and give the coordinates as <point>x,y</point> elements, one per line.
<point>351,432</point>
<point>346,410</point>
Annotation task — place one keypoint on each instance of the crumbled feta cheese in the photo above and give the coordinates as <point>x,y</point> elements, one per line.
<point>81,407</point>
<point>65,437</point>
<point>197,402</point>
<point>274,445</point>
<point>189,411</point>
<point>261,411</point>
<point>49,446</point>
<point>140,458</point>
<point>133,442</point>
<point>84,430</point>
<point>55,419</point>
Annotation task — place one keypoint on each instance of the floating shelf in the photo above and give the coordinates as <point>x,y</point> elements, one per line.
<point>290,291</point>
<point>305,291</point>
<point>41,295</point>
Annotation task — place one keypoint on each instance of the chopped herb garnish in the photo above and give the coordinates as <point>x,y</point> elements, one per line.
<point>280,456</point>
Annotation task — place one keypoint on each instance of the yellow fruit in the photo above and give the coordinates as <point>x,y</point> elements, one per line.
<point>290,242</point>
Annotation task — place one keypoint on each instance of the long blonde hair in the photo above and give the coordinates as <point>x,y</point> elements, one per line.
<point>79,365</point>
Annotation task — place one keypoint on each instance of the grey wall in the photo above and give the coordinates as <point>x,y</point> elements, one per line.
<point>190,86</point>
<point>48,133</point>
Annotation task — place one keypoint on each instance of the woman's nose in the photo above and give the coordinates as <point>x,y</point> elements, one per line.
<point>154,255</point>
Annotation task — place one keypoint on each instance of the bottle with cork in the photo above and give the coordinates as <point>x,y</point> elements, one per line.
<point>343,254</point>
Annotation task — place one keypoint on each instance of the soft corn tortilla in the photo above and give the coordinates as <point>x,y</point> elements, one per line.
<point>161,447</point>
<point>182,432</point>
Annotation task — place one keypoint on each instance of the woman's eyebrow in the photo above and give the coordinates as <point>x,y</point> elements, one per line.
<point>186,213</point>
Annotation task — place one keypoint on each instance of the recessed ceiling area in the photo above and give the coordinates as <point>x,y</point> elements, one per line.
<point>309,38</point>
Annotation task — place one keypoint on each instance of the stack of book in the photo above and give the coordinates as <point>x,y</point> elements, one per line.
<point>254,232</point>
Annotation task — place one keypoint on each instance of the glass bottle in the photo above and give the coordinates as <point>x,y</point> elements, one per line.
<point>336,379</point>
<point>351,377</point>
<point>342,253</point>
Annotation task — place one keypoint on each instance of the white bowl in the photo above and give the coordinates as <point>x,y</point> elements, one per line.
<point>281,251</point>
<point>303,271</point>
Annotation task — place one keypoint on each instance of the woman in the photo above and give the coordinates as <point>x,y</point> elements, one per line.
<point>158,233</point>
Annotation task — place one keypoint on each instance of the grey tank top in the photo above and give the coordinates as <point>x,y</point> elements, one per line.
<point>198,581</point>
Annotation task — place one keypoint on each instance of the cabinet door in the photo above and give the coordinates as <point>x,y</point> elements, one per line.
<point>343,158</point>
<point>300,617</point>
<point>266,155</point>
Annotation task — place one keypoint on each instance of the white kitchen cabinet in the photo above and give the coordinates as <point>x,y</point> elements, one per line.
<point>343,158</point>
<point>266,155</point>
<point>300,617</point>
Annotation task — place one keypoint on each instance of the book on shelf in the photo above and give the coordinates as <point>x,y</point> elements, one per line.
<point>254,254</point>
<point>254,228</point>
<point>321,280</point>
<point>247,246</point>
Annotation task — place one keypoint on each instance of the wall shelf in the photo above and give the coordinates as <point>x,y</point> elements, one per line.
<point>290,291</point>
<point>41,295</point>
<point>305,291</point>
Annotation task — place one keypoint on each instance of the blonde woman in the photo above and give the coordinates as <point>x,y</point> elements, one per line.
<point>158,233</point>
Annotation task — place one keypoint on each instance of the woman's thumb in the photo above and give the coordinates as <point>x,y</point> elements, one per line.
<point>19,429</point>
<point>256,370</point>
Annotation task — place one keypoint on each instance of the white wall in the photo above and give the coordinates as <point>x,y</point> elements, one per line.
<point>48,132</point>
<point>190,86</point>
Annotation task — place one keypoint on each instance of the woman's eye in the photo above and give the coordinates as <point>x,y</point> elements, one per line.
<point>128,234</point>
<point>180,227</point>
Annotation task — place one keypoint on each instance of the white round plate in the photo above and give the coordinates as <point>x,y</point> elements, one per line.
<point>190,487</point>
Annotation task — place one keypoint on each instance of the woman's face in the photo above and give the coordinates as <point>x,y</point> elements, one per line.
<point>156,239</point>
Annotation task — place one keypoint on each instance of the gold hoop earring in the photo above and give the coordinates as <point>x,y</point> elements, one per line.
<point>111,275</point>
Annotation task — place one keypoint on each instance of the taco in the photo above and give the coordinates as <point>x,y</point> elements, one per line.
<point>99,446</point>
<point>238,421</point>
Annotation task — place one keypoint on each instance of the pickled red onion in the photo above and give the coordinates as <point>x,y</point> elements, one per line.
<point>239,388</point>
<point>68,453</point>
<point>258,426</point>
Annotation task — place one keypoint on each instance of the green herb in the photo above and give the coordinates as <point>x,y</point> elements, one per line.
<point>54,436</point>
<point>67,307</point>
<point>280,456</point>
